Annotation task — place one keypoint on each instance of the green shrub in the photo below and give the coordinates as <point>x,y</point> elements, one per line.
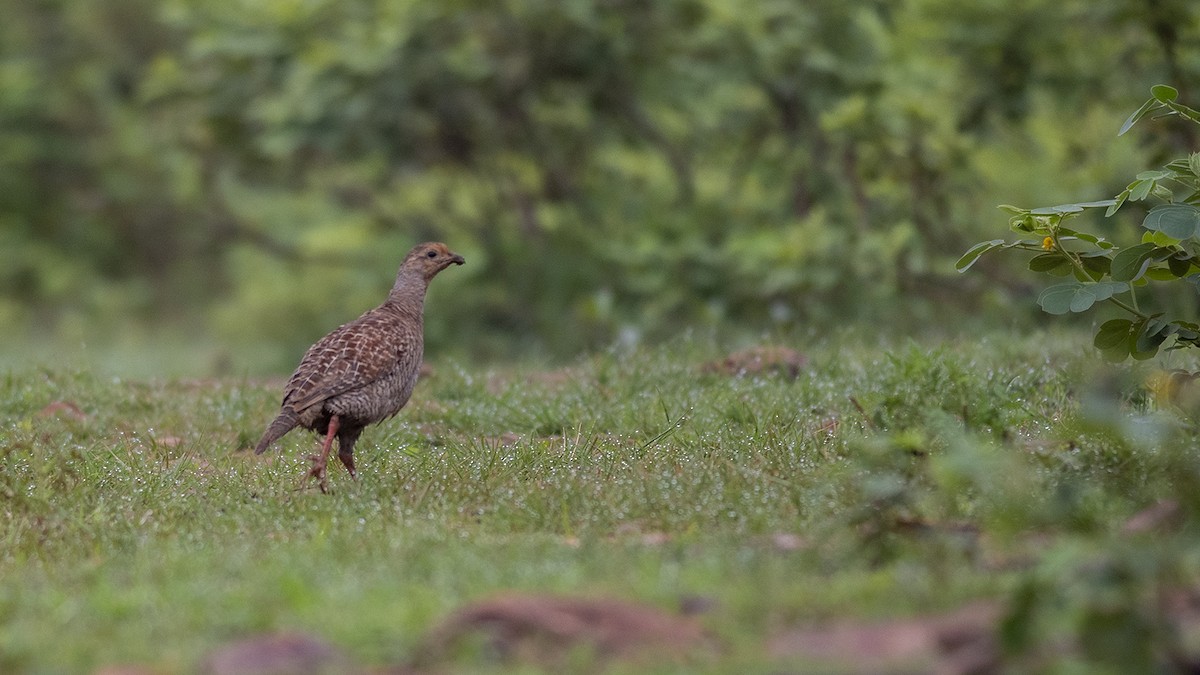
<point>1103,272</point>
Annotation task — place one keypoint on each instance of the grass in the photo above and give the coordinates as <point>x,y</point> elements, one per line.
<point>905,480</point>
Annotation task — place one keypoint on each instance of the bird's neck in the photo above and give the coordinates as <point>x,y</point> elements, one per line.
<point>408,295</point>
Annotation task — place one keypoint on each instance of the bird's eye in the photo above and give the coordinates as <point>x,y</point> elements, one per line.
<point>431,254</point>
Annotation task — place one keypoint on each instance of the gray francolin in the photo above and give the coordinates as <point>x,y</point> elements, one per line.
<point>364,371</point>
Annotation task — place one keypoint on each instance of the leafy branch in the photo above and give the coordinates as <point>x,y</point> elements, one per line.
<point>1101,271</point>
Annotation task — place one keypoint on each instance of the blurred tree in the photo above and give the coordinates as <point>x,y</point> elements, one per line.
<point>608,166</point>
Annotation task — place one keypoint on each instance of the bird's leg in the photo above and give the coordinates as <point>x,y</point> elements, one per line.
<point>348,459</point>
<point>347,436</point>
<point>318,468</point>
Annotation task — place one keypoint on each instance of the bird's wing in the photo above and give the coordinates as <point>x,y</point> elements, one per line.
<point>352,356</point>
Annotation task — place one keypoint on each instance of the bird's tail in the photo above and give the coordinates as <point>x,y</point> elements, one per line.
<point>285,422</point>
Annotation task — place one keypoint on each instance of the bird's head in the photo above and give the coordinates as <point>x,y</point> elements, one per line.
<point>430,258</point>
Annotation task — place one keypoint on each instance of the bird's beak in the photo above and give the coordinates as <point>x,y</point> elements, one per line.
<point>457,259</point>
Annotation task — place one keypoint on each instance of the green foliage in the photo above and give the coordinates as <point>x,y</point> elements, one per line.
<point>254,173</point>
<point>1106,273</point>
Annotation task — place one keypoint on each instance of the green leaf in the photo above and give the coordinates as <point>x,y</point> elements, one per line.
<point>1057,299</point>
<point>973,254</point>
<point>1061,209</point>
<point>1088,237</point>
<point>1078,296</point>
<point>1179,165</point>
<point>1025,223</point>
<point>1163,193</point>
<point>1112,333</point>
<point>1131,263</point>
<point>1023,242</point>
<point>1164,93</point>
<point>1138,189</point>
<point>1067,208</point>
<point>1186,332</point>
<point>1099,265</point>
<point>1159,239</point>
<point>1184,111</point>
<point>1154,174</point>
<point>1152,333</point>
<point>1106,289</point>
<point>1137,115</point>
<point>1112,339</point>
<point>1180,221</point>
<point>1179,264</point>
<point>1139,354</point>
<point>1117,203</point>
<point>1075,244</point>
<point>1013,210</point>
<point>1194,163</point>
<point>1048,262</point>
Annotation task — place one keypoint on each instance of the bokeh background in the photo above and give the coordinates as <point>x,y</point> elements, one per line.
<point>207,187</point>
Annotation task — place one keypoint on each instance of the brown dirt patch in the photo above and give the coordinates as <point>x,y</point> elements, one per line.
<point>275,655</point>
<point>549,630</point>
<point>761,360</point>
<point>67,409</point>
<point>962,641</point>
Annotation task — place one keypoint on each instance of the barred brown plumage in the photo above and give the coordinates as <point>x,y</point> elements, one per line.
<point>364,371</point>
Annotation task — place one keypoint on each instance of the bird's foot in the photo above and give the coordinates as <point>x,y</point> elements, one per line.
<point>318,471</point>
